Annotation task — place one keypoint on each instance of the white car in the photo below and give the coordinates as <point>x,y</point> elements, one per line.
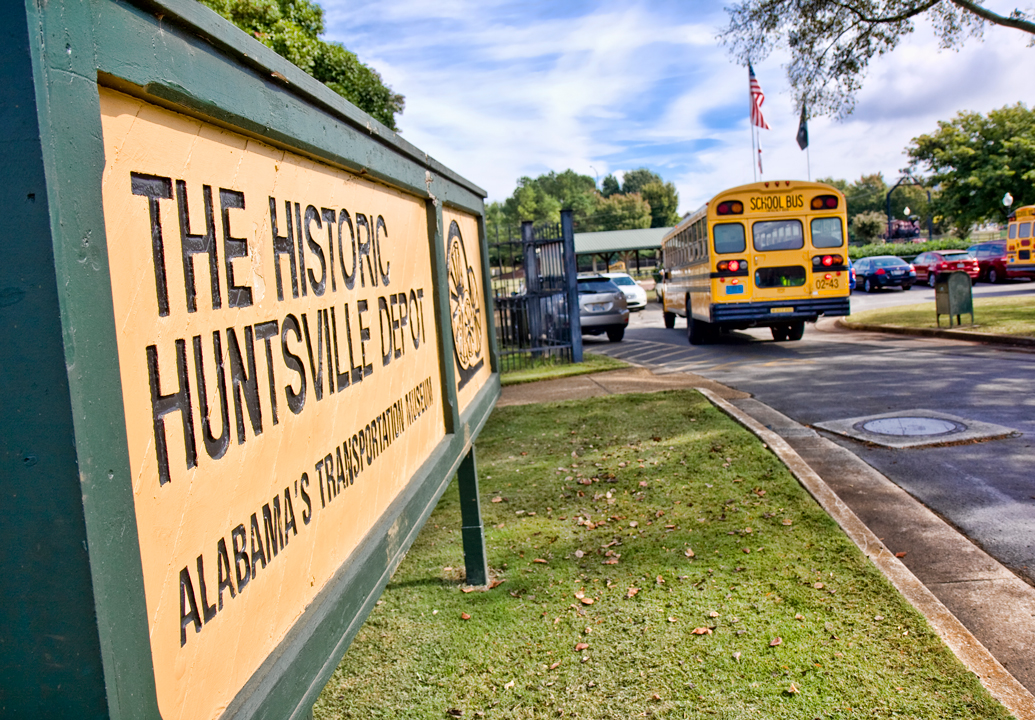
<point>635,296</point>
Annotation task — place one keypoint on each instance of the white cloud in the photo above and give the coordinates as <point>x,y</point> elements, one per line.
<point>496,90</point>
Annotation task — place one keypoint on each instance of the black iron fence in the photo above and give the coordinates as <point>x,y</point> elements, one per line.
<point>535,296</point>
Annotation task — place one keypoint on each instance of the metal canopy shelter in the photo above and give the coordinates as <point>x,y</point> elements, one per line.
<point>608,244</point>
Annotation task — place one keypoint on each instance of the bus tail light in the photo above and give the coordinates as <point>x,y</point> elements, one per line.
<point>730,207</point>
<point>733,266</point>
<point>824,202</point>
<point>828,262</point>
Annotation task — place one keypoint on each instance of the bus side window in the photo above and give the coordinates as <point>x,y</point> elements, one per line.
<point>1013,231</point>
<point>729,238</point>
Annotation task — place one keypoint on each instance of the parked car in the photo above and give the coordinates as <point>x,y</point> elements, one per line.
<point>930,265</point>
<point>635,296</point>
<point>851,275</point>
<point>602,307</point>
<point>882,271</point>
<point>994,263</point>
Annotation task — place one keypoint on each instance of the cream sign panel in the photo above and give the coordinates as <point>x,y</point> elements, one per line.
<point>280,374</point>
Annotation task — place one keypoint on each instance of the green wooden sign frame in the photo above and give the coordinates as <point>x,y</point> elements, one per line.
<point>73,627</point>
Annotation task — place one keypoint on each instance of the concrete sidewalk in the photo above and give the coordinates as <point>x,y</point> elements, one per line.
<point>984,612</point>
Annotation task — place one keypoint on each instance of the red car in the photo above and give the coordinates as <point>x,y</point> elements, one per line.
<point>994,263</point>
<point>930,265</point>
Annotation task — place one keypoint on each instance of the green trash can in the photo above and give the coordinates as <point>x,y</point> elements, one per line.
<point>953,297</point>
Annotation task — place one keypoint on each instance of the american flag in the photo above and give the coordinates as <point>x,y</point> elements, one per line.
<point>757,98</point>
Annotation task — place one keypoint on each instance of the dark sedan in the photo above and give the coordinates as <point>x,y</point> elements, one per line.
<point>882,271</point>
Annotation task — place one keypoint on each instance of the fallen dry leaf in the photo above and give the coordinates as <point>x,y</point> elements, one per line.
<point>497,499</point>
<point>579,553</point>
<point>579,647</point>
<point>746,550</point>
<point>900,554</point>
<point>776,641</point>
<point>786,522</point>
<point>792,690</point>
<point>736,656</point>
<point>689,553</point>
<point>713,614</point>
<point>465,616</point>
<point>540,560</point>
<point>672,619</point>
<point>509,685</point>
<point>701,631</point>
<point>610,561</point>
<point>655,696</point>
<point>643,483</point>
<point>467,589</point>
<point>495,582</point>
<point>799,616</point>
<point>454,712</point>
<point>633,523</point>
<point>555,665</point>
<point>586,601</point>
<point>632,592</point>
<point>818,586</point>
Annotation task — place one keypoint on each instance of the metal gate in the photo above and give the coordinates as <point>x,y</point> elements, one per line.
<point>535,296</point>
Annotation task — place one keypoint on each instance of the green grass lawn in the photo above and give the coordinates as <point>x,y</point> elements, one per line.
<point>551,370</point>
<point>654,559</point>
<point>999,316</point>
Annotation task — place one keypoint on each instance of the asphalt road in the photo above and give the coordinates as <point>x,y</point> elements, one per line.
<point>986,490</point>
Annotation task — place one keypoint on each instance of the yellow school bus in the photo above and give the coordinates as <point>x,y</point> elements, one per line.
<point>770,254</point>
<point>1020,237</point>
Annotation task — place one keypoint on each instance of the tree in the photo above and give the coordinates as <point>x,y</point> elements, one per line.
<point>620,212</point>
<point>831,42</point>
<point>634,180</point>
<point>664,203</point>
<point>610,186</point>
<point>975,160</point>
<point>292,28</point>
<point>869,225</point>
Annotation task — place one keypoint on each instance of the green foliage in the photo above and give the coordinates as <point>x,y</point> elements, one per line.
<point>664,203</point>
<point>634,180</point>
<point>975,160</point>
<point>610,186</point>
<point>869,193</point>
<point>831,43</point>
<point>621,212</point>
<point>905,250</point>
<point>869,225</point>
<point>292,28</point>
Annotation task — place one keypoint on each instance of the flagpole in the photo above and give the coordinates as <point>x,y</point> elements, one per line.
<point>808,162</point>
<point>751,124</point>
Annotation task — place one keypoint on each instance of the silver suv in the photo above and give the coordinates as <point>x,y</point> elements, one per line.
<point>602,307</point>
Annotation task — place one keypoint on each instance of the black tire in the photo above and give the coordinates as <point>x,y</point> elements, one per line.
<point>868,286</point>
<point>993,276</point>
<point>779,332</point>
<point>795,330</point>
<point>932,279</point>
<point>615,334</point>
<point>696,330</point>
<point>670,320</point>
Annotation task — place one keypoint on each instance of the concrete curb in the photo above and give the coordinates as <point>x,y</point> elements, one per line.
<point>974,656</point>
<point>986,338</point>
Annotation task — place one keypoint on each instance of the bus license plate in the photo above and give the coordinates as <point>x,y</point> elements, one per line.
<point>781,310</point>
<point>734,289</point>
<point>827,283</point>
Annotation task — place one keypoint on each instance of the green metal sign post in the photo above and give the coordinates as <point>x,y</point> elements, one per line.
<point>248,342</point>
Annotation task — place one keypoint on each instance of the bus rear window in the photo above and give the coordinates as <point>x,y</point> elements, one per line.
<point>777,235</point>
<point>1013,231</point>
<point>1024,230</point>
<point>770,277</point>
<point>729,238</point>
<point>826,232</point>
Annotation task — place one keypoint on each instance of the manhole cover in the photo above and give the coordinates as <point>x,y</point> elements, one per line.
<point>912,426</point>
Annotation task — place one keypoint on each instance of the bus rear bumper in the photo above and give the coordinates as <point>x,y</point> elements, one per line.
<point>754,314</point>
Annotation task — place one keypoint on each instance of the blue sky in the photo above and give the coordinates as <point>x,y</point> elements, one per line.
<point>497,89</point>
